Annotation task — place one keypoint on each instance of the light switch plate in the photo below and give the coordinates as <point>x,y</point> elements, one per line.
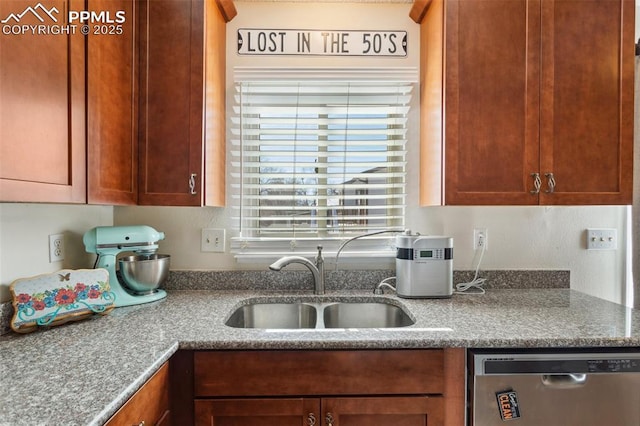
<point>213,240</point>
<point>602,239</point>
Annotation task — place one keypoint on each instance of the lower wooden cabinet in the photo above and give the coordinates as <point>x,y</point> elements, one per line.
<point>149,405</point>
<point>263,411</point>
<point>319,387</point>
<point>383,411</point>
<point>329,411</point>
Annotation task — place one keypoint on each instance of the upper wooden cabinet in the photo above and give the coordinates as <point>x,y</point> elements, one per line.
<point>586,103</point>
<point>149,89</point>
<point>520,93</point>
<point>112,95</point>
<point>181,81</point>
<point>42,108</point>
<point>171,102</point>
<point>116,117</point>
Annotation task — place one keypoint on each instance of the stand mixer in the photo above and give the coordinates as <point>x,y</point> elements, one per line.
<point>110,241</point>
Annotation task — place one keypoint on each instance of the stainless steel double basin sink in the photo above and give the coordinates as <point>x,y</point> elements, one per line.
<point>342,314</point>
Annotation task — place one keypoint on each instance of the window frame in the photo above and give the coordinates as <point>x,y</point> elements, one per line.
<point>252,247</point>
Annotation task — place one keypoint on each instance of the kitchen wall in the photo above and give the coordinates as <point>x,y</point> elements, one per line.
<point>24,238</point>
<point>518,237</point>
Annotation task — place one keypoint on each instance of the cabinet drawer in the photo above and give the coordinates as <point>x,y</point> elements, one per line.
<point>278,373</point>
<point>150,404</point>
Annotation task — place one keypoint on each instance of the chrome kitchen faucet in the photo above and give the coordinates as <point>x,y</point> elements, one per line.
<point>317,270</point>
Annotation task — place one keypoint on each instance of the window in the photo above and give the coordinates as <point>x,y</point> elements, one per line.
<point>318,156</point>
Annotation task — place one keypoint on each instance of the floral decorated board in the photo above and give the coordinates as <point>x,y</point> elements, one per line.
<point>53,299</point>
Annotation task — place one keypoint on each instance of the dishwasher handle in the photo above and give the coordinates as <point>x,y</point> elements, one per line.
<point>564,381</point>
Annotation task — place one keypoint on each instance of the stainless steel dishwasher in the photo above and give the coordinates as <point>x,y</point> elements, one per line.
<point>554,388</point>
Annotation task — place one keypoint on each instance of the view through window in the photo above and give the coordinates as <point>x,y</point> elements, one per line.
<point>320,159</point>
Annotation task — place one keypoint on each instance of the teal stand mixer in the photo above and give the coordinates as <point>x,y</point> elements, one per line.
<point>141,273</point>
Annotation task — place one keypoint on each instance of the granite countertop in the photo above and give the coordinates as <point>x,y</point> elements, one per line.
<point>81,373</point>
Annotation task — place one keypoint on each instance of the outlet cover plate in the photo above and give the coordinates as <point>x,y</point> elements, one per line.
<point>602,239</point>
<point>56,248</point>
<point>480,238</point>
<point>213,240</point>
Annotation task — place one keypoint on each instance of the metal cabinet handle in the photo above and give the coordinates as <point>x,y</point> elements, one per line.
<point>311,419</point>
<point>329,419</point>
<point>192,184</point>
<point>537,183</point>
<point>551,181</point>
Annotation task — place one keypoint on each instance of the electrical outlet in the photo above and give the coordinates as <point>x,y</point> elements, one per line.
<point>213,240</point>
<point>56,248</point>
<point>480,239</point>
<point>602,239</point>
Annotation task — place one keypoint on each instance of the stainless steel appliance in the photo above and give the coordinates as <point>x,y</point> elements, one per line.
<point>138,283</point>
<point>554,388</point>
<point>424,266</point>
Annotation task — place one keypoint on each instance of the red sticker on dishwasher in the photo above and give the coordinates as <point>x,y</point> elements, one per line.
<point>508,405</point>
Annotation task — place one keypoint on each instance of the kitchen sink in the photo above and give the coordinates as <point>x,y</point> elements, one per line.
<point>274,315</point>
<point>319,315</point>
<point>365,315</point>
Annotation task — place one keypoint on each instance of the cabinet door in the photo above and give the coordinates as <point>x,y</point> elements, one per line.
<point>379,411</point>
<point>171,102</point>
<point>149,405</point>
<point>587,101</point>
<point>492,101</point>
<point>263,412</point>
<point>112,125</point>
<point>383,411</point>
<point>42,105</point>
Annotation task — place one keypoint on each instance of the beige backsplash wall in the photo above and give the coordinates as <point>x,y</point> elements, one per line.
<point>519,238</point>
<point>24,238</point>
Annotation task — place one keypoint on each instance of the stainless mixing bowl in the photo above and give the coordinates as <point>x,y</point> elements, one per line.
<point>144,273</point>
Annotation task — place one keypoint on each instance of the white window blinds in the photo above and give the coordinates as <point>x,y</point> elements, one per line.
<point>319,157</point>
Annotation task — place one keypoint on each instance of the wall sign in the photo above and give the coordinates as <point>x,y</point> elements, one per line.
<point>253,41</point>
